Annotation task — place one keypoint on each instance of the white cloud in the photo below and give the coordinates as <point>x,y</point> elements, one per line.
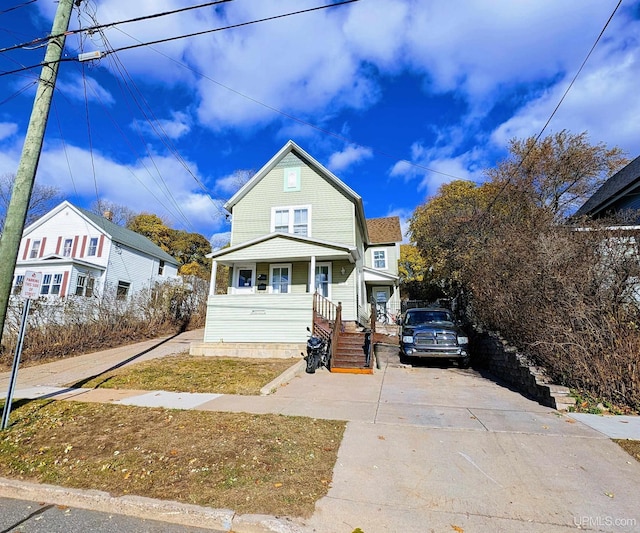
<point>7,129</point>
<point>605,110</point>
<point>89,89</point>
<point>352,154</point>
<point>331,60</point>
<point>434,167</point>
<point>161,186</point>
<point>174,128</point>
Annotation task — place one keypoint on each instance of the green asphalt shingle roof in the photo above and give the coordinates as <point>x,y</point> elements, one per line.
<point>128,238</point>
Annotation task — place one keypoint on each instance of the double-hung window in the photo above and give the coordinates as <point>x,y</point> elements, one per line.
<point>280,278</point>
<point>122,290</point>
<point>46,284</point>
<point>93,245</point>
<point>66,249</point>
<point>379,259</point>
<point>323,279</point>
<point>84,285</point>
<point>17,288</point>
<point>35,248</point>
<point>293,219</point>
<point>55,286</point>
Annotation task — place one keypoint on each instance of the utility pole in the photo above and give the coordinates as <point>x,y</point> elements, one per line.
<point>25,176</point>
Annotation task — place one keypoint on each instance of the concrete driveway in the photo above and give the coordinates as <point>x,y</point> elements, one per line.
<point>425,449</point>
<point>433,449</point>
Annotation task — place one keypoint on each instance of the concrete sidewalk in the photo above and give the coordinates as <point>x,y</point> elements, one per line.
<point>426,449</point>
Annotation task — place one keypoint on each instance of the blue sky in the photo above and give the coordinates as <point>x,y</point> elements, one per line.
<point>396,97</point>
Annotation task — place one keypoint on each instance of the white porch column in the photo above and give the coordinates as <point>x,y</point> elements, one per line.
<point>214,271</point>
<point>312,275</point>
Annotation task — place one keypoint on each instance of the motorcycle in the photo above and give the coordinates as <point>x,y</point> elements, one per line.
<point>317,354</point>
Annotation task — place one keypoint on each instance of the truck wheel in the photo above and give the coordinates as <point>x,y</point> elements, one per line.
<point>465,362</point>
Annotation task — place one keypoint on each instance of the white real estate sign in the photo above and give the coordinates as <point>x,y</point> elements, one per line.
<point>31,284</point>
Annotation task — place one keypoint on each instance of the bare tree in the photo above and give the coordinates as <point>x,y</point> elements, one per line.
<point>117,213</point>
<point>43,199</point>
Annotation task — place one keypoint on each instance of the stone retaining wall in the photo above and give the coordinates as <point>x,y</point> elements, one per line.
<point>493,353</point>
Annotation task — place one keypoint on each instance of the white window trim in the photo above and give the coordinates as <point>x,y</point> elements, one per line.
<point>270,280</point>
<point>236,278</point>
<point>291,209</point>
<point>373,258</point>
<point>329,277</point>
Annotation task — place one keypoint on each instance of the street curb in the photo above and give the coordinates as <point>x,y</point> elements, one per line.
<point>220,520</point>
<point>283,378</point>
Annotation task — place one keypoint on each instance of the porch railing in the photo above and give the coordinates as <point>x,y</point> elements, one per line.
<point>327,321</point>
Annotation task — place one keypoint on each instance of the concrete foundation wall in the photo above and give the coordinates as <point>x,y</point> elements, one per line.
<point>248,349</point>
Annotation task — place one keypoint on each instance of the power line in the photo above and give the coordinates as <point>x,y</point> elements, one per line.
<point>17,7</point>
<point>169,39</point>
<point>535,142</point>
<point>109,24</point>
<point>230,27</point>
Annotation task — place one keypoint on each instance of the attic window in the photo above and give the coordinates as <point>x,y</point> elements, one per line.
<point>291,179</point>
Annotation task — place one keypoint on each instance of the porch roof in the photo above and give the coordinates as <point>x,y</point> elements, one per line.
<point>283,247</point>
<point>57,260</point>
<point>373,275</point>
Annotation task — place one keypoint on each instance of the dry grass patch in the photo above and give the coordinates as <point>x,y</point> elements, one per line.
<point>268,464</point>
<point>632,447</point>
<point>187,373</point>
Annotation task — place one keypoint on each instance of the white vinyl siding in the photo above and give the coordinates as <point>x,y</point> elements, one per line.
<point>262,318</point>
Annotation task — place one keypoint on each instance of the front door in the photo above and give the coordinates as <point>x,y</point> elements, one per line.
<point>381,296</point>
<point>244,277</point>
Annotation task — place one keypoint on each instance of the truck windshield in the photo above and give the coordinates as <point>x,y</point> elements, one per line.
<point>423,317</point>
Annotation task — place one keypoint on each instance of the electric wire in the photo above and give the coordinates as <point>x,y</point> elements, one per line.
<point>17,6</point>
<point>293,117</point>
<point>19,92</point>
<point>64,147</point>
<point>98,27</point>
<point>553,113</point>
<point>126,78</point>
<point>118,67</point>
<point>89,137</point>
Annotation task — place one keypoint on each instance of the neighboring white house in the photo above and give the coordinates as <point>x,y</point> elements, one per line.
<point>297,230</point>
<point>83,254</point>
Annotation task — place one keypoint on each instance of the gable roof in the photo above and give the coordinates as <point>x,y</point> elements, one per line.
<point>289,147</point>
<point>117,233</point>
<point>384,230</point>
<point>621,183</point>
<point>128,237</point>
